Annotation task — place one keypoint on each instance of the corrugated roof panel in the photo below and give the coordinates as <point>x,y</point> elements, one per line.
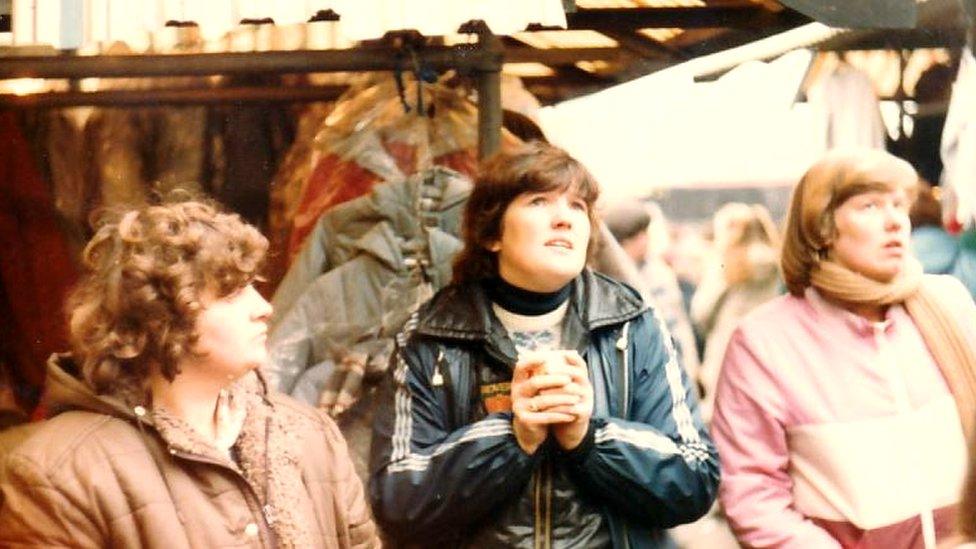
<point>593,4</point>
<point>566,39</point>
<point>597,67</point>
<point>527,69</point>
<point>660,35</point>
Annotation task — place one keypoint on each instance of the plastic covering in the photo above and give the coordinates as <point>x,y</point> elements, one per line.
<point>370,136</point>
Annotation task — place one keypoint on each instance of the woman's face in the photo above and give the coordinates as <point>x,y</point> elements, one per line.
<point>544,238</point>
<point>233,333</point>
<point>872,234</point>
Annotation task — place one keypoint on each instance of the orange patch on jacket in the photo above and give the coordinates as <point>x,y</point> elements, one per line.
<point>497,397</point>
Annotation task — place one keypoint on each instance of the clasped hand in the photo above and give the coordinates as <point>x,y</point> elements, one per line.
<point>551,393</point>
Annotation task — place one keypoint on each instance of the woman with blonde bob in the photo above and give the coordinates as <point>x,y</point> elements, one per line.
<point>842,408</point>
<point>163,433</point>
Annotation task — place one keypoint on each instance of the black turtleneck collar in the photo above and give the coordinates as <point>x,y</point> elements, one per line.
<point>525,302</point>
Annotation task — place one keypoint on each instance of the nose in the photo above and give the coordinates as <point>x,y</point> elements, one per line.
<point>896,218</point>
<point>561,213</point>
<point>261,308</point>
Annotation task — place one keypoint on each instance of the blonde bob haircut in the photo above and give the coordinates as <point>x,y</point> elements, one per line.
<point>838,176</point>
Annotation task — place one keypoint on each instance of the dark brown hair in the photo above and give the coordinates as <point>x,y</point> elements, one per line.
<point>147,271</point>
<point>530,167</point>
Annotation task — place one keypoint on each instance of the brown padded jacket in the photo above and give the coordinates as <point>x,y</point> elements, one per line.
<point>101,474</point>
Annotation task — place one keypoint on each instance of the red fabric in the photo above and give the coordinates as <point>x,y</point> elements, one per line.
<point>36,266</point>
<point>906,534</point>
<point>464,162</point>
<point>333,181</point>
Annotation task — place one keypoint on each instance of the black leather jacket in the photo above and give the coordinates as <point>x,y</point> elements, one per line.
<point>446,468</point>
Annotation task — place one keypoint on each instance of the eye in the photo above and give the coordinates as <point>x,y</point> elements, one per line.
<point>579,204</point>
<point>871,204</point>
<point>538,200</point>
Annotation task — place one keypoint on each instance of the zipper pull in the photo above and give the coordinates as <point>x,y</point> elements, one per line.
<point>437,379</point>
<point>269,515</point>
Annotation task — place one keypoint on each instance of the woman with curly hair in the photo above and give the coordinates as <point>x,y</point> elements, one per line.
<point>163,432</point>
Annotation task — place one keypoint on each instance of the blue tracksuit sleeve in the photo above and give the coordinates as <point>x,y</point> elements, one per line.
<point>429,480</point>
<point>658,466</point>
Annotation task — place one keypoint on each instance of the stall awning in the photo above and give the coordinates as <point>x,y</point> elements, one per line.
<point>89,21</point>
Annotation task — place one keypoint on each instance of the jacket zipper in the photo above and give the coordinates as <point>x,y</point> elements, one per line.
<point>547,468</point>
<point>622,345</point>
<point>542,502</point>
<point>268,538</point>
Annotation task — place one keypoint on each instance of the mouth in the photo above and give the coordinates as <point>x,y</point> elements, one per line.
<point>559,243</point>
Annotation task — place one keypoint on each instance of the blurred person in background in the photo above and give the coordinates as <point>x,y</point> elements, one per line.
<point>163,433</point>
<point>739,275</point>
<point>938,251</point>
<point>642,233</point>
<point>843,408</point>
<point>533,402</point>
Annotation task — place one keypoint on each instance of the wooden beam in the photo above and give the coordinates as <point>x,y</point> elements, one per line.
<point>897,39</point>
<point>742,17</point>
<point>559,56</point>
<point>643,46</point>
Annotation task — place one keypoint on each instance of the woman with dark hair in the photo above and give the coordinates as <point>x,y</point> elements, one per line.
<point>533,401</point>
<point>841,408</point>
<point>164,434</point>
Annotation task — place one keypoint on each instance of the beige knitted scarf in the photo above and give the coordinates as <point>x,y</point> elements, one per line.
<point>943,336</point>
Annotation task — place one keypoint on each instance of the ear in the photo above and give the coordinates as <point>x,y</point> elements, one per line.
<point>494,246</point>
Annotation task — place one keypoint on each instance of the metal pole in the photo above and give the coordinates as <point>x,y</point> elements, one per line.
<point>489,93</point>
<point>203,64</point>
<point>284,62</point>
<point>178,96</point>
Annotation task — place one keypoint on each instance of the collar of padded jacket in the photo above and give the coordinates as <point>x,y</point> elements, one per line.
<point>265,463</point>
<point>464,312</point>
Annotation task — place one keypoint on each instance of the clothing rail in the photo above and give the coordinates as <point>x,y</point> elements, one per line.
<point>482,59</point>
<point>172,96</point>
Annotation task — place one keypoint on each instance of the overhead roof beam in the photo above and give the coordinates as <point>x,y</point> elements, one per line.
<point>620,19</point>
<point>897,39</point>
<point>559,56</point>
<point>643,46</point>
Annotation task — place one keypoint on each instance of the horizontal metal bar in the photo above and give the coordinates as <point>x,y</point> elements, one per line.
<point>272,62</point>
<point>178,96</point>
<point>471,58</point>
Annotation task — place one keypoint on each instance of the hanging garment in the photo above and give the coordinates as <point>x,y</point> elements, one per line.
<point>253,140</point>
<point>368,265</point>
<point>136,152</point>
<point>286,187</point>
<point>36,265</point>
<point>59,148</point>
<point>853,114</point>
<point>959,141</point>
<point>369,137</point>
<point>382,255</point>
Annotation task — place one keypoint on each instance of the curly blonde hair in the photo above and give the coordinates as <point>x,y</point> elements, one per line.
<point>147,272</point>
